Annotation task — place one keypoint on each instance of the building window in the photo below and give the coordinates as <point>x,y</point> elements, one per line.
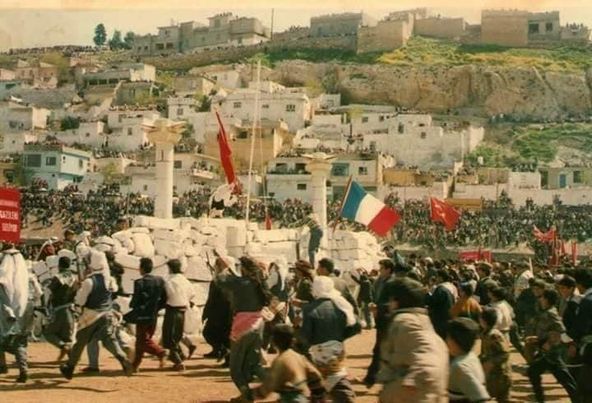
<point>180,111</point>
<point>81,164</point>
<point>423,135</point>
<point>63,158</point>
<point>533,28</point>
<point>290,108</point>
<point>365,119</point>
<point>145,188</point>
<point>381,118</point>
<point>50,161</point>
<point>120,118</point>
<point>401,128</point>
<point>87,134</point>
<point>301,186</point>
<point>265,106</point>
<point>340,169</point>
<point>300,167</point>
<point>577,177</point>
<point>33,160</point>
<point>549,27</point>
<point>178,164</point>
<point>362,170</point>
<point>130,131</point>
<point>237,105</point>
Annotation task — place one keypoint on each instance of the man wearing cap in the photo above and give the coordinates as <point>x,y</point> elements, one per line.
<point>97,320</point>
<point>62,286</point>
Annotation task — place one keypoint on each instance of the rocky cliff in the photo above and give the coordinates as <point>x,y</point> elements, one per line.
<point>525,93</point>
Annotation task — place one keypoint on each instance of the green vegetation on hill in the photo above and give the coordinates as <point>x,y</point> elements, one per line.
<point>436,52</point>
<point>534,143</point>
<point>424,51</point>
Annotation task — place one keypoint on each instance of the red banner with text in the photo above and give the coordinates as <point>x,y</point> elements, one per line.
<point>10,215</point>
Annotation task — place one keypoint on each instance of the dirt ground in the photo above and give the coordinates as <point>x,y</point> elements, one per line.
<point>203,380</point>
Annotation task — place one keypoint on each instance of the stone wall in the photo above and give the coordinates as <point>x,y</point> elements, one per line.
<point>507,28</point>
<point>187,61</point>
<point>446,28</point>
<point>385,36</point>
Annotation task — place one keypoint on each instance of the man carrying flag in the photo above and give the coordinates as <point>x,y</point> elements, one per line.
<point>366,209</point>
<point>444,213</point>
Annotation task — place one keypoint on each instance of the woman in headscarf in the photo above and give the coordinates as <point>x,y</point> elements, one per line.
<point>324,329</point>
<point>248,295</point>
<point>16,310</point>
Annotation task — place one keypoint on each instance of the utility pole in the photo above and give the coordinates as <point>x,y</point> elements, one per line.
<point>271,28</point>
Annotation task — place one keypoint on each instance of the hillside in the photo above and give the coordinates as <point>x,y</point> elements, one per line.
<point>512,145</point>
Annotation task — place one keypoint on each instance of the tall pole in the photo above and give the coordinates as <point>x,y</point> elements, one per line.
<point>253,135</point>
<point>272,18</point>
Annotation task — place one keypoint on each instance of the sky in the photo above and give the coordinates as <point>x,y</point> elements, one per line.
<point>29,23</point>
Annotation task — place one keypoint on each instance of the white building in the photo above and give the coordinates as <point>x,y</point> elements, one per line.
<point>58,165</point>
<point>14,143</point>
<point>126,128</point>
<point>287,177</point>
<point>132,72</point>
<point>414,141</point>
<point>91,134</point>
<point>190,172</point>
<point>15,117</point>
<point>224,78</point>
<point>292,107</point>
<point>329,131</point>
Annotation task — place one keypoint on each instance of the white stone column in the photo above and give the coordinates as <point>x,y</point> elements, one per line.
<point>165,157</point>
<point>319,166</point>
<point>164,134</point>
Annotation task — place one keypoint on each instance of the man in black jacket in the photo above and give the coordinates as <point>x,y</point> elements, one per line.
<point>382,320</point>
<point>582,331</point>
<point>149,297</point>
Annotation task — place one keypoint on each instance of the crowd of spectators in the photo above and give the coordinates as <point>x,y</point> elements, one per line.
<point>497,225</point>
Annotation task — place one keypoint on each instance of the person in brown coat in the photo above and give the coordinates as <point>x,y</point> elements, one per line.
<point>414,360</point>
<point>495,353</point>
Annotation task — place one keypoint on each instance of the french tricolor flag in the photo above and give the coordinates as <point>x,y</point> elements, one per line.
<point>366,209</point>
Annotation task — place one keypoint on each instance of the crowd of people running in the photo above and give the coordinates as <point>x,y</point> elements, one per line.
<point>427,314</point>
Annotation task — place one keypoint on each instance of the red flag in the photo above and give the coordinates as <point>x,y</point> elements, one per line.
<point>545,237</point>
<point>444,213</point>
<point>574,252</point>
<point>225,153</point>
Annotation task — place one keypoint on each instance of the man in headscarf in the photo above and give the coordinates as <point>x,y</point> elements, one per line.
<point>16,310</point>
<point>62,287</point>
<point>324,327</point>
<point>97,321</point>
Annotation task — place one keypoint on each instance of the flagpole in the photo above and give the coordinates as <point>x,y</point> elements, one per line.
<point>342,204</point>
<point>253,135</point>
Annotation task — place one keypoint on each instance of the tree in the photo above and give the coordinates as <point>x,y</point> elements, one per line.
<point>69,122</point>
<point>128,40</point>
<point>116,42</point>
<point>100,35</point>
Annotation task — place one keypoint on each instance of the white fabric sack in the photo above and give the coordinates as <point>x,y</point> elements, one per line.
<point>143,245</point>
<point>192,320</point>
